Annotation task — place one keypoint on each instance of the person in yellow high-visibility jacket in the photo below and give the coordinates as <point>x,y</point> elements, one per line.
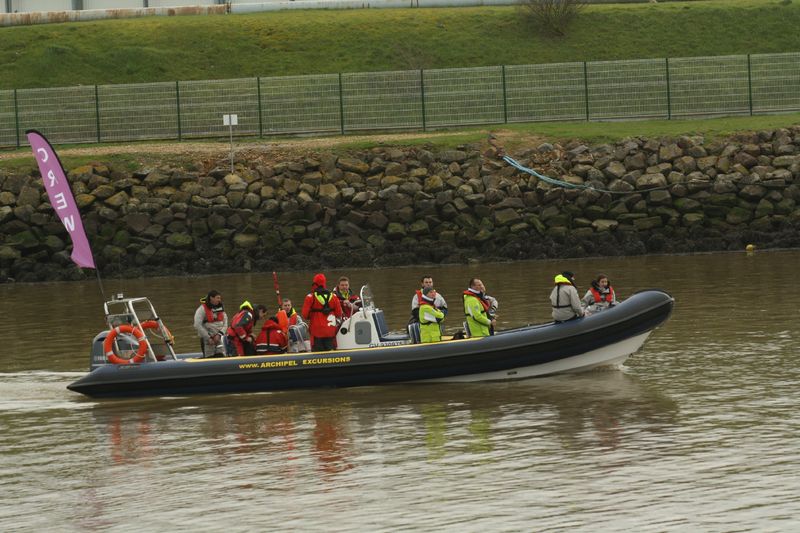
<point>429,317</point>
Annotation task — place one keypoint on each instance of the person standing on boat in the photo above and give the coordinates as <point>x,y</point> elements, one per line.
<point>416,300</point>
<point>476,309</point>
<point>240,332</point>
<point>429,317</point>
<point>323,311</point>
<point>210,322</point>
<point>564,298</point>
<point>600,295</point>
<point>350,302</point>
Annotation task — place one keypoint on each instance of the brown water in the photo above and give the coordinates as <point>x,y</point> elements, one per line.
<point>698,431</point>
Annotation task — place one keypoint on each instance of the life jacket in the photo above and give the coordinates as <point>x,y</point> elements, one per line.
<point>483,302</point>
<point>559,281</point>
<point>348,311</point>
<point>242,324</point>
<point>292,316</point>
<point>323,296</point>
<point>272,339</point>
<point>599,297</point>
<point>213,314</point>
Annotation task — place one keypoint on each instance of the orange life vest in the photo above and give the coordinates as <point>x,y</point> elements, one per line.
<point>211,316</point>
<point>599,298</point>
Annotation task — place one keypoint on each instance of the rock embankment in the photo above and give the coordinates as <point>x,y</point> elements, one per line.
<point>395,206</point>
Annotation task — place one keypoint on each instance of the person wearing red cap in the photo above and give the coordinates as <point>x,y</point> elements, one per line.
<point>323,311</point>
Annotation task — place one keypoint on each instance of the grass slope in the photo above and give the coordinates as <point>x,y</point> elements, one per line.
<point>312,42</point>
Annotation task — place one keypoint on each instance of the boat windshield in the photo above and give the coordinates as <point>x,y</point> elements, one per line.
<point>367,300</point>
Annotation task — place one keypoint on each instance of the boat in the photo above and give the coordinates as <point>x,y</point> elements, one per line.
<point>367,353</point>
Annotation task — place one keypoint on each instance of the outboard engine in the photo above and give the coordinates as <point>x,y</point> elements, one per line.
<point>97,356</point>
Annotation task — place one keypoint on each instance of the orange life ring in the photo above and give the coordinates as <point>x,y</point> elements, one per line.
<point>108,345</point>
<point>153,324</point>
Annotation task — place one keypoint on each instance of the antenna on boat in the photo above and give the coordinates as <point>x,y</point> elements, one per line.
<point>277,288</point>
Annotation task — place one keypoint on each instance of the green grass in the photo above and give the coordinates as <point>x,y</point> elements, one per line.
<point>514,136</point>
<point>314,42</point>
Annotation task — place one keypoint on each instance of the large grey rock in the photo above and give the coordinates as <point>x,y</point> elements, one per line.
<point>352,165</point>
<point>651,181</point>
<point>669,152</point>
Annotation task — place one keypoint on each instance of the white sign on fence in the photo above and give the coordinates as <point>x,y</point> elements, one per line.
<point>230,120</point>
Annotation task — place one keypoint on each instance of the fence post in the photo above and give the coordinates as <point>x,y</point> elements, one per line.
<point>178,106</point>
<point>422,96</point>
<point>97,110</point>
<point>505,97</point>
<point>341,104</point>
<point>669,94</point>
<point>260,121</point>
<point>750,85</point>
<point>586,88</point>
<point>16,117</point>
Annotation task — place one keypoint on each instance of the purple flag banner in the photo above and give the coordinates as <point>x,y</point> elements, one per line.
<point>58,189</point>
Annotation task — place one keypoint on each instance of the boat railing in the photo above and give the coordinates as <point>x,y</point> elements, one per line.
<point>135,312</point>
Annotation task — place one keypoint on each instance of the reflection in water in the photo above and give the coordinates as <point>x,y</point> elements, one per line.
<point>577,411</point>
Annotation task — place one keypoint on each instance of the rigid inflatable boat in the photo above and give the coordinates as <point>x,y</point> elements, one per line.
<point>367,353</point>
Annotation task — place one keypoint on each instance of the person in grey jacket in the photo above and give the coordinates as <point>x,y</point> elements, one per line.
<point>564,298</point>
<point>210,322</point>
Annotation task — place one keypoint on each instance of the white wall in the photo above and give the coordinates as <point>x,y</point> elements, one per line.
<point>39,5</point>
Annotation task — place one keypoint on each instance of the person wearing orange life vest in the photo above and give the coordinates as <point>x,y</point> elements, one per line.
<point>350,302</point>
<point>240,332</point>
<point>272,340</point>
<point>476,309</point>
<point>291,313</point>
<point>211,322</point>
<point>600,295</point>
<point>323,311</point>
<point>564,298</point>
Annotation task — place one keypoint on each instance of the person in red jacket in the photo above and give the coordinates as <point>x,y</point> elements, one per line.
<point>272,340</point>
<point>350,302</point>
<point>323,311</point>
<point>240,332</point>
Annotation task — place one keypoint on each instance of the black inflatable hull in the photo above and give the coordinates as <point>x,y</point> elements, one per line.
<point>601,339</point>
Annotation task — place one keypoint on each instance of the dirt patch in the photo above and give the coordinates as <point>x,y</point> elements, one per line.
<point>210,153</point>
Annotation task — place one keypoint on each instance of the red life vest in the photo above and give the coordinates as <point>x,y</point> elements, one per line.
<point>219,316</point>
<point>272,339</point>
<point>242,324</point>
<point>292,317</point>
<point>599,298</point>
<point>483,302</point>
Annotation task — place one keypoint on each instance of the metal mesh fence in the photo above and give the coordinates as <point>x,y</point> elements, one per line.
<point>546,92</point>
<point>775,82</point>
<point>627,89</point>
<point>8,119</point>
<point>464,96</point>
<point>414,99</point>
<point>138,111</point>
<point>382,100</point>
<point>301,104</point>
<point>65,114</point>
<point>709,86</point>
